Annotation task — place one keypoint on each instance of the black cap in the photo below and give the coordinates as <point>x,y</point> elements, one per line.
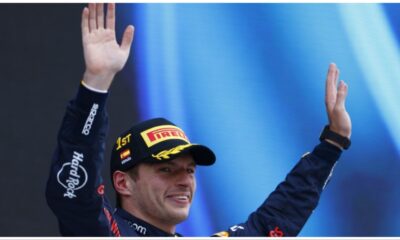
<point>153,141</point>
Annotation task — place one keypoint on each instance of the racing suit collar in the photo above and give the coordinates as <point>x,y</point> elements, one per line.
<point>141,227</point>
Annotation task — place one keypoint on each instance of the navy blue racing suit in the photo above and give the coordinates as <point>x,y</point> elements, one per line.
<point>75,190</point>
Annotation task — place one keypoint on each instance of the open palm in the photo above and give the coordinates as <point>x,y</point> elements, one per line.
<point>104,57</point>
<point>335,98</point>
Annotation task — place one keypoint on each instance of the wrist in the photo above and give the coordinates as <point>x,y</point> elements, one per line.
<point>334,143</point>
<point>100,82</point>
<point>341,131</point>
<point>85,99</point>
<point>92,88</point>
<point>335,138</point>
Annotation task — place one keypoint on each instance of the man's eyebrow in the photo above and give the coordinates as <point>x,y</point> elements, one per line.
<point>171,163</point>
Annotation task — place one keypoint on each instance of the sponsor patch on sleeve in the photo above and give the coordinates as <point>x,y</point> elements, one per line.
<point>277,232</point>
<point>100,190</point>
<point>90,119</point>
<point>72,176</point>
<point>221,234</point>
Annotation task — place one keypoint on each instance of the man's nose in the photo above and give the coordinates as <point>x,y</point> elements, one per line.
<point>184,178</point>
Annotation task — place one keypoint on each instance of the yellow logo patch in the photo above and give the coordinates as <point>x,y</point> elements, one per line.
<point>122,141</point>
<point>125,154</point>
<point>222,234</point>
<point>162,133</point>
<point>165,154</point>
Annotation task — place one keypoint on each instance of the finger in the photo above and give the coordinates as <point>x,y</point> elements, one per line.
<point>110,21</point>
<point>92,17</point>
<point>85,22</point>
<point>341,94</point>
<point>330,87</point>
<point>100,15</point>
<point>337,73</point>
<point>127,38</point>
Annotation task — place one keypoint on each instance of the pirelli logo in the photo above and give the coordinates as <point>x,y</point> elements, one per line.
<point>162,133</point>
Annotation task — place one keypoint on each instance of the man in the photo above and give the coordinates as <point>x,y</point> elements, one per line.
<point>153,163</point>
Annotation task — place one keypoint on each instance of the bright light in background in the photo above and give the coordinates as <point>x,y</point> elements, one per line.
<point>247,80</point>
<point>375,47</point>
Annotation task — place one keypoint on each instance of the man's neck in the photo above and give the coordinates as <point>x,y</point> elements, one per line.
<point>155,222</point>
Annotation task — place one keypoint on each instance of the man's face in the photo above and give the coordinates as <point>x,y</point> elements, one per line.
<point>164,191</point>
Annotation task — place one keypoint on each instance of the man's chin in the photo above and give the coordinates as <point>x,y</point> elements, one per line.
<point>178,214</point>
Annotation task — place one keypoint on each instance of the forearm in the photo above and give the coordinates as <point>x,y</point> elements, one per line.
<point>81,139</point>
<point>295,198</point>
<point>287,208</point>
<point>75,172</point>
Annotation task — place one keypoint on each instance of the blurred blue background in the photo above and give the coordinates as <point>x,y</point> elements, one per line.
<point>248,81</point>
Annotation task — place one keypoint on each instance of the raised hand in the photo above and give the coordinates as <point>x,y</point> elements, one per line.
<point>104,57</point>
<point>335,98</point>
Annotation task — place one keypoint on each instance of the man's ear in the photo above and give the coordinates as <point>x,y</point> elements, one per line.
<point>122,183</point>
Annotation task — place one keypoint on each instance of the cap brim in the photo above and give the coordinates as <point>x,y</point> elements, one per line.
<point>202,155</point>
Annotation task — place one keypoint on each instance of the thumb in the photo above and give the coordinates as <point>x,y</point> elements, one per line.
<point>127,38</point>
<point>341,94</point>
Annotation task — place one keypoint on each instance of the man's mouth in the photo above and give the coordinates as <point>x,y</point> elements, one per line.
<point>181,198</point>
